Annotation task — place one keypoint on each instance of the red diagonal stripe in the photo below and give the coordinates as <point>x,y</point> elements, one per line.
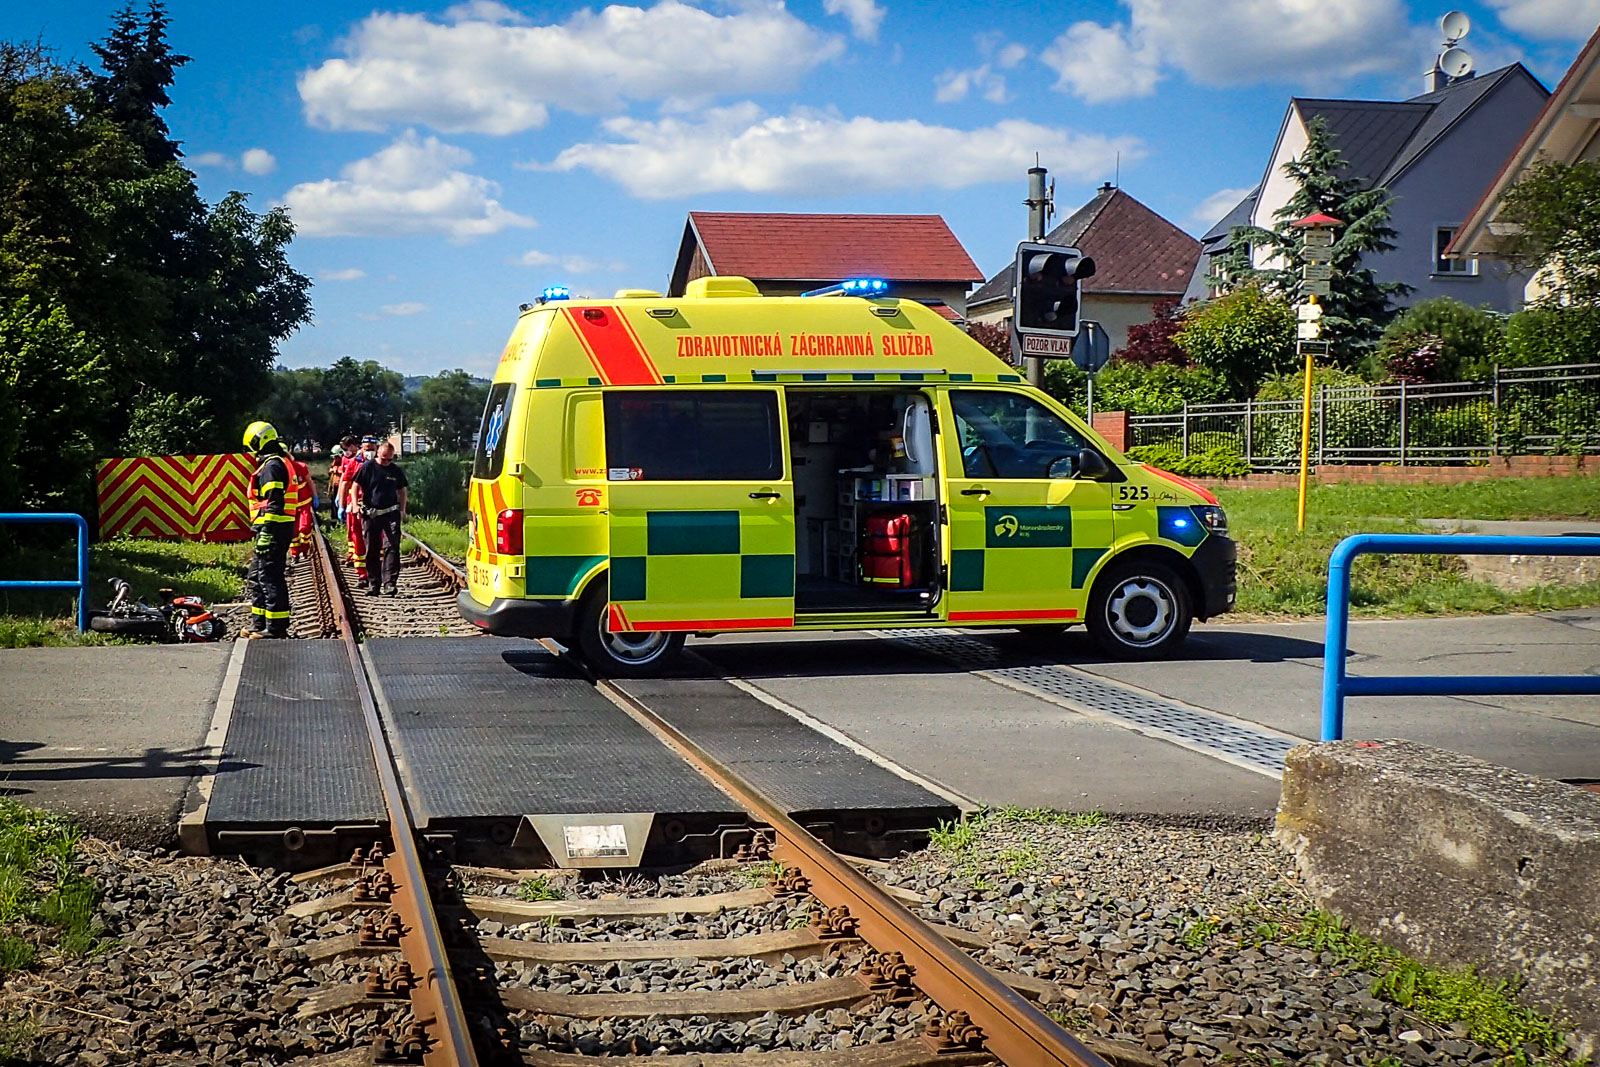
<point>612,347</point>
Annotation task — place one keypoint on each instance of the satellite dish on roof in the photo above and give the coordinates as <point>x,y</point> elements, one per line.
<point>1455,25</point>
<point>1456,62</point>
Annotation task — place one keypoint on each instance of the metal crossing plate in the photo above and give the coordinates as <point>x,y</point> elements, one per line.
<point>296,751</point>
<point>800,769</point>
<point>1194,728</point>
<point>499,728</point>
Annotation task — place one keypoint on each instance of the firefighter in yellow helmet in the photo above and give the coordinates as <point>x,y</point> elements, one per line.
<point>272,522</point>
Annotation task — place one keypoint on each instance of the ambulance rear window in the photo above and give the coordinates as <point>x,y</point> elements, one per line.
<point>665,435</point>
<point>489,457</point>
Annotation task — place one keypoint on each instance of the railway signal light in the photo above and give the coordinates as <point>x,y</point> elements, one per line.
<point>1049,283</point>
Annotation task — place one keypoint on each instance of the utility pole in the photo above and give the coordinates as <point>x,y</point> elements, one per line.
<point>1040,207</point>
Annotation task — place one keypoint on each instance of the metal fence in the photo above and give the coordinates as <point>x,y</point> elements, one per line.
<point>1516,411</point>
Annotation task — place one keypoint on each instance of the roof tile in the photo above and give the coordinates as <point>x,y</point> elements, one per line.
<point>783,247</point>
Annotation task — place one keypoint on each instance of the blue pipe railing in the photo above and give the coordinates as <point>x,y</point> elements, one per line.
<point>44,518</point>
<point>1336,685</point>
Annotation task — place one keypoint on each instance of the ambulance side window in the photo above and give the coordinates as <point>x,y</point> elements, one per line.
<point>489,455</point>
<point>1009,435</point>
<point>673,435</point>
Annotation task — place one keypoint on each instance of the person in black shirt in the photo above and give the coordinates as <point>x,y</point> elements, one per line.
<point>383,505</point>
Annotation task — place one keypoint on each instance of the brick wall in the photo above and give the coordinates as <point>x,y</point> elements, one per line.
<point>1113,426</point>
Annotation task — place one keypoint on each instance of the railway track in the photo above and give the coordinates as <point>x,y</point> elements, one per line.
<point>426,606</point>
<point>815,965</point>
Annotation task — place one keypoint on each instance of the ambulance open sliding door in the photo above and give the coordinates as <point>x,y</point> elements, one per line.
<point>701,509</point>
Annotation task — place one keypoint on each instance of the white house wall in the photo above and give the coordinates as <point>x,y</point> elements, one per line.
<point>1277,187</point>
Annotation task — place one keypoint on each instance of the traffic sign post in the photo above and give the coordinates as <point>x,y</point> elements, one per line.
<point>1316,279</point>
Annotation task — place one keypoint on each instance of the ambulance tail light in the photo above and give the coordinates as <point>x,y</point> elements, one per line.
<point>508,532</point>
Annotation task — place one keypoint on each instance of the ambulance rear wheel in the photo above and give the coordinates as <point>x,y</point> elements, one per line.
<point>642,654</point>
<point>1139,610</point>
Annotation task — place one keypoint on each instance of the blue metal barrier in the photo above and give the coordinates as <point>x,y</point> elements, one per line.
<point>42,518</point>
<point>1336,685</point>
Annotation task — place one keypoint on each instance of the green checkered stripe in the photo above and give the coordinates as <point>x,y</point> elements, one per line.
<point>699,556</point>
<point>1021,544</point>
<point>765,377</point>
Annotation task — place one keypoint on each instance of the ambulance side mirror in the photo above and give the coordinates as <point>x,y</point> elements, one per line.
<point>1092,466</point>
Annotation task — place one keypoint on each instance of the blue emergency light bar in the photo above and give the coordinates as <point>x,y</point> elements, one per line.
<point>555,292</point>
<point>852,287</point>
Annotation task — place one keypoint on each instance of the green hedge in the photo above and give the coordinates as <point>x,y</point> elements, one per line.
<point>438,485</point>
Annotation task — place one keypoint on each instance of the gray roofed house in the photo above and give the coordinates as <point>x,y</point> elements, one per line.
<point>1435,153</point>
<point>1206,281</point>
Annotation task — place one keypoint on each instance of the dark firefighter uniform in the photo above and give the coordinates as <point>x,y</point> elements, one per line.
<point>273,495</point>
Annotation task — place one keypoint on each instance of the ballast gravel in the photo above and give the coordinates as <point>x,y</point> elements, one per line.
<point>1149,934</point>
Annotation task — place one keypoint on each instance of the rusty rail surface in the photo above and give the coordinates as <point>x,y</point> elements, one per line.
<point>442,1031</point>
<point>1007,1025</point>
<point>435,562</point>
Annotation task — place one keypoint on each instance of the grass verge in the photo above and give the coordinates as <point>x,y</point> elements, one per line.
<point>46,905</point>
<point>1486,1008</point>
<point>445,538</point>
<point>1283,571</point>
<point>214,572</point>
<point>958,839</point>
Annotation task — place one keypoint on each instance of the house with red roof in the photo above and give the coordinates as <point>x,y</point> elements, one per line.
<point>789,254</point>
<point>1140,258</point>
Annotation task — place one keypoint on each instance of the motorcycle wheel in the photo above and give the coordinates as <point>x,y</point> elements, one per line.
<point>127,625</point>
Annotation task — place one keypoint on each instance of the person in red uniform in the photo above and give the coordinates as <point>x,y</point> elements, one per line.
<point>301,545</point>
<point>349,499</point>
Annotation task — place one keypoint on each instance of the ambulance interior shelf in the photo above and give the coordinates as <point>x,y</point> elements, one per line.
<point>865,507</point>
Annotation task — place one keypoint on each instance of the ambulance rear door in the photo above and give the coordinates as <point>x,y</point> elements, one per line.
<point>701,508</point>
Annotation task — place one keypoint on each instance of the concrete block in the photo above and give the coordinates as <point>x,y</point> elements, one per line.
<point>1455,861</point>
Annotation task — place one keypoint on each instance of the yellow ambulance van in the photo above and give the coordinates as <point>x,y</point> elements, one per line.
<point>649,468</point>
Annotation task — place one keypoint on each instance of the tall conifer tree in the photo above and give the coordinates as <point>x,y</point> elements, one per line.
<point>139,67</point>
<point>1359,306</point>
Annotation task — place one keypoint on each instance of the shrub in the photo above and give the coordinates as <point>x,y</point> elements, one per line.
<point>1158,390</point>
<point>438,485</point>
<point>1244,336</point>
<point>1459,342</point>
<point>1151,343</point>
<point>1548,335</point>
<point>1218,461</point>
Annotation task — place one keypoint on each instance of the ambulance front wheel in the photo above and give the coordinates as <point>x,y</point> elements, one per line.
<point>1140,610</point>
<point>642,654</point>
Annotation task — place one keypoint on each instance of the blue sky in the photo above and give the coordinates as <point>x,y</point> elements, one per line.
<point>446,162</point>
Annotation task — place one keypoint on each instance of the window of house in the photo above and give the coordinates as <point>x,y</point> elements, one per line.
<point>1441,265</point>
<point>693,436</point>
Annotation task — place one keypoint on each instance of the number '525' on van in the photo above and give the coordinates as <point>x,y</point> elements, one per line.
<point>649,468</point>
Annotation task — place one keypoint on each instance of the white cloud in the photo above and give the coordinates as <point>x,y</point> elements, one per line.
<point>258,161</point>
<point>864,16</point>
<point>811,152</point>
<point>477,73</point>
<point>412,186</point>
<point>1209,211</point>
<point>1572,20</point>
<point>570,264</point>
<point>212,159</point>
<point>954,85</point>
<point>346,274</point>
<point>485,11</point>
<point>410,307</point>
<point>1230,42</point>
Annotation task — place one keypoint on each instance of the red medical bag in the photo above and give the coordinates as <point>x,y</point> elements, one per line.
<point>886,555</point>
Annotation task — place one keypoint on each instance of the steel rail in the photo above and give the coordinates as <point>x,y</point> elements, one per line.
<point>435,1000</point>
<point>443,567</point>
<point>1014,1031</point>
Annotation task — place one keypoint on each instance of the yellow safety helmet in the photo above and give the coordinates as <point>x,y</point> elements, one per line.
<point>258,435</point>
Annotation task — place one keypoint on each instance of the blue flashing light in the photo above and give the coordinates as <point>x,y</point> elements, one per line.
<point>865,286</point>
<point>1180,525</point>
<point>555,292</point>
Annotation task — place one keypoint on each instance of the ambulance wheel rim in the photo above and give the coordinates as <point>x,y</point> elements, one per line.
<point>637,647</point>
<point>1141,610</point>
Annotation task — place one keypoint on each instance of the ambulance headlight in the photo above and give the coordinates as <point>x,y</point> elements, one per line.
<point>1213,518</point>
<point>865,286</point>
